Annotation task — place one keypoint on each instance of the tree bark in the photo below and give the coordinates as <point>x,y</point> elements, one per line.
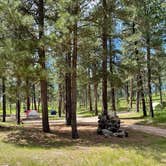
<point>140,89</point>
<point>68,87</point>
<point>96,97</point>
<point>34,96</point>
<point>18,111</point>
<point>104,59</point>
<point>142,96</point>
<point>38,104</point>
<point>149,76</point>
<point>86,98</point>
<point>113,102</point>
<point>127,93</point>
<point>160,90</point>
<point>137,101</point>
<point>10,108</point>
<point>43,80</point>
<point>18,104</point>
<point>60,100</point>
<point>89,93</point>
<point>131,94</point>
<point>74,78</point>
<point>4,99</point>
<point>27,95</point>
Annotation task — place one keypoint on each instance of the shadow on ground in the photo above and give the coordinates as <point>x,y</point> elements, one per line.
<point>60,137</point>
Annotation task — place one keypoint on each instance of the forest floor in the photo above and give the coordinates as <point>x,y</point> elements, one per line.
<point>133,123</point>
<point>127,121</point>
<point>27,145</point>
<point>31,147</point>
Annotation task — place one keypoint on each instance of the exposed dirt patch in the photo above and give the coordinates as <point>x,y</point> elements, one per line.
<point>60,136</point>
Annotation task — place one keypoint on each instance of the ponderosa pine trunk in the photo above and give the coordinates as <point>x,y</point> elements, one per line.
<point>68,89</point>
<point>42,59</point>
<point>89,93</point>
<point>138,72</point>
<point>137,100</point>
<point>138,93</point>
<point>142,96</point>
<point>140,89</point>
<point>127,93</point>
<point>86,97</point>
<point>34,96</point>
<point>95,88</point>
<point>113,102</point>
<point>60,100</point>
<point>3,99</point>
<point>160,90</point>
<point>32,103</point>
<point>18,103</point>
<point>38,105</point>
<point>28,103</point>
<point>104,58</point>
<point>96,97</point>
<point>131,95</point>
<point>10,108</point>
<point>149,76</point>
<point>18,107</point>
<point>74,77</point>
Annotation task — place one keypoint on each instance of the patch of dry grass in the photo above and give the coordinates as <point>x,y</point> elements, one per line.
<point>30,146</point>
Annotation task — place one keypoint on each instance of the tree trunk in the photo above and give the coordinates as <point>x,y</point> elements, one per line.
<point>138,72</point>
<point>38,104</point>
<point>34,96</point>
<point>27,95</point>
<point>137,101</point>
<point>96,98</point>
<point>68,88</point>
<point>160,90</point>
<point>10,106</point>
<point>32,103</point>
<point>104,59</point>
<point>149,77</point>
<point>89,93</point>
<point>86,98</point>
<point>43,80</point>
<point>60,100</point>
<point>127,93</point>
<point>4,99</point>
<point>95,88</point>
<point>74,79</point>
<point>28,103</point>
<point>18,111</point>
<point>113,102</point>
<point>140,89</point>
<point>142,96</point>
<point>18,105</point>
<point>131,94</point>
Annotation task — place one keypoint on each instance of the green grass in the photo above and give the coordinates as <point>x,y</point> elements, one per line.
<point>159,119</point>
<point>131,115</point>
<point>25,147</point>
<point>85,113</point>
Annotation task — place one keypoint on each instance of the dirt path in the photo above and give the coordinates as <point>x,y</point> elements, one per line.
<point>131,125</point>
<point>147,129</point>
<point>126,123</point>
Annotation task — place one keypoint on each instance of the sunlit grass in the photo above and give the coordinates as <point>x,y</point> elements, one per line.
<point>17,147</point>
<point>159,119</point>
